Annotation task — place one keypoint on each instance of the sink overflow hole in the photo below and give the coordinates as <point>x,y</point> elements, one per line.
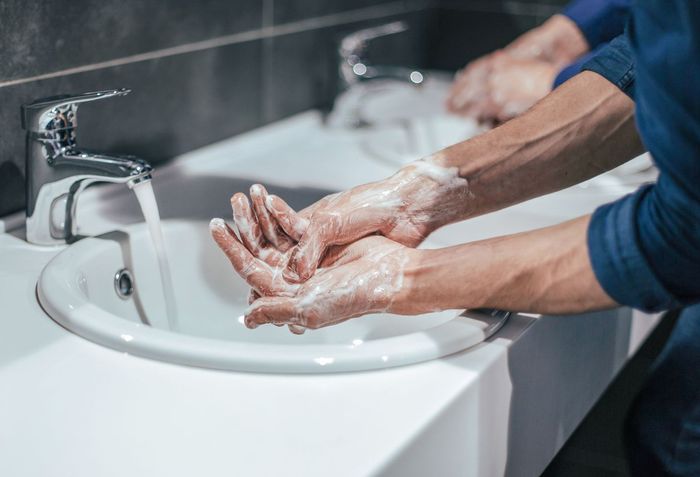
<point>124,283</point>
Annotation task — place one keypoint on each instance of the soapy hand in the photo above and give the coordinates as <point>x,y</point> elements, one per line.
<point>558,41</point>
<point>353,280</point>
<point>503,84</point>
<point>500,87</point>
<point>404,208</point>
<point>266,237</point>
<point>359,272</point>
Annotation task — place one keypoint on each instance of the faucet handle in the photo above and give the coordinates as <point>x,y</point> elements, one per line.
<point>59,112</point>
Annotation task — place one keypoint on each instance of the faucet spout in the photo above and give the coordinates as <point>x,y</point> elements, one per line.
<point>106,167</point>
<point>53,190</point>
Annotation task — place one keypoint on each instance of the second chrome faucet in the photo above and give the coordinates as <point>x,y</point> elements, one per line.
<point>358,77</point>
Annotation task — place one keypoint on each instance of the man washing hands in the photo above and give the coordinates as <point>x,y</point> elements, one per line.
<point>351,253</point>
<point>354,250</point>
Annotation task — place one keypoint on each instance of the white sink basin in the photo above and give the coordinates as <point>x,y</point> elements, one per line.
<point>77,290</point>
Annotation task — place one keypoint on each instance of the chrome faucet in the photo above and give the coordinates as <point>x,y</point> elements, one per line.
<point>354,67</point>
<point>356,76</point>
<point>57,170</point>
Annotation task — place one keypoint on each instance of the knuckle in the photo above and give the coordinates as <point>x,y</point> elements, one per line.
<point>310,318</point>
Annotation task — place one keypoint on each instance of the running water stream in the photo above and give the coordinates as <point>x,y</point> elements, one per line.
<point>149,207</point>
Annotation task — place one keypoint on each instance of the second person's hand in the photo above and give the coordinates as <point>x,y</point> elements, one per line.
<point>503,84</point>
<point>505,88</point>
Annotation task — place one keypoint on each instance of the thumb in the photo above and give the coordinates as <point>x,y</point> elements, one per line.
<point>291,222</point>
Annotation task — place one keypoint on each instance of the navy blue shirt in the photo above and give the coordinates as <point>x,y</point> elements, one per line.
<point>599,20</point>
<point>645,247</point>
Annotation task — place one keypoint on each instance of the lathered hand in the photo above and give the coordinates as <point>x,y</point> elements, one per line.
<point>405,208</point>
<point>558,41</point>
<point>503,84</point>
<point>501,88</point>
<point>353,280</point>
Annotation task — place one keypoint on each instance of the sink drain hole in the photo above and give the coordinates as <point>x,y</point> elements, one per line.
<point>124,283</point>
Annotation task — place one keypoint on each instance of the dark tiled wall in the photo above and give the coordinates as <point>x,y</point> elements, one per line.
<point>206,70</point>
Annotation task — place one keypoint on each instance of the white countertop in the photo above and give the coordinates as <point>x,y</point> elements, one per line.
<point>69,407</point>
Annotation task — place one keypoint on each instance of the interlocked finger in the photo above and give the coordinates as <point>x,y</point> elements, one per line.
<point>264,279</point>
<point>269,227</point>
<point>248,227</point>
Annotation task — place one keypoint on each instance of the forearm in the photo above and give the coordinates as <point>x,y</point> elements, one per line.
<point>542,271</point>
<point>583,129</point>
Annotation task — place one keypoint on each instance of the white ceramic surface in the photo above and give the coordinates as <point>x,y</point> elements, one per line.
<point>77,290</point>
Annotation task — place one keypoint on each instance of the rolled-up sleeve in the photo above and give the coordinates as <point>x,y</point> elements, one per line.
<point>643,248</point>
<point>599,20</point>
<point>575,68</point>
<point>615,62</point>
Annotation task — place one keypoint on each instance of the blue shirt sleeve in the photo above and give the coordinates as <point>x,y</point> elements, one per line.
<point>645,248</point>
<point>617,252</point>
<point>599,20</point>
<point>575,68</point>
<point>616,63</point>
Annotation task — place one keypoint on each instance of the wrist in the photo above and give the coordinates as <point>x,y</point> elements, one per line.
<point>434,280</point>
<point>410,298</point>
<point>431,193</point>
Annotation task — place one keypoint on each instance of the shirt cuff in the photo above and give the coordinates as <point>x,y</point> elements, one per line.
<point>617,258</point>
<point>599,20</point>
<point>615,62</point>
<point>574,68</point>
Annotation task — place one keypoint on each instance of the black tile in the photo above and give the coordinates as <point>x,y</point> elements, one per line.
<point>410,48</point>
<point>178,103</point>
<point>459,36</point>
<point>299,72</point>
<point>40,37</point>
<point>292,10</point>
